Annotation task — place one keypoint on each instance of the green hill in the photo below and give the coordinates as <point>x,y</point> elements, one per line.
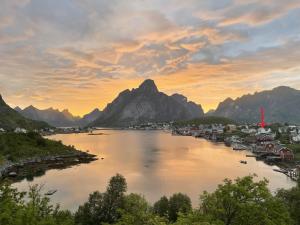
<point>21,146</point>
<point>11,119</point>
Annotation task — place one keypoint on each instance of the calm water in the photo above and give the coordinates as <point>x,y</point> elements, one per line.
<point>154,163</point>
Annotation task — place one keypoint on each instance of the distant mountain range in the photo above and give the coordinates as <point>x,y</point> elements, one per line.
<point>147,104</point>
<point>58,118</point>
<point>281,104</point>
<point>11,119</point>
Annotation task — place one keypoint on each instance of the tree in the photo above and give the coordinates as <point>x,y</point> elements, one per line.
<point>244,202</point>
<point>91,212</point>
<point>178,203</point>
<point>161,207</point>
<point>103,207</point>
<point>196,218</point>
<point>137,211</point>
<point>37,210</point>
<point>292,200</point>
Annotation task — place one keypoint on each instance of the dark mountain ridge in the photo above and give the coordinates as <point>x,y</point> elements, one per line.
<point>147,104</point>
<point>281,104</point>
<point>11,119</point>
<point>58,118</point>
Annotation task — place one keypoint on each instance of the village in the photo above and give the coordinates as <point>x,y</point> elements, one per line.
<point>274,147</point>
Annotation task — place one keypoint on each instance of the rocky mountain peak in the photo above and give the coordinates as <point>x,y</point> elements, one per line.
<point>148,86</point>
<point>179,97</point>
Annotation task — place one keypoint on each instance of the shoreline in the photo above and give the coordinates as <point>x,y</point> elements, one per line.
<point>37,166</point>
<point>285,167</point>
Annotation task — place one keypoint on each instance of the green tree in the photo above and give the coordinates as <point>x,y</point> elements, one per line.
<point>137,211</point>
<point>178,203</point>
<point>103,207</point>
<point>161,207</point>
<point>196,218</point>
<point>292,200</point>
<point>36,210</point>
<point>244,202</point>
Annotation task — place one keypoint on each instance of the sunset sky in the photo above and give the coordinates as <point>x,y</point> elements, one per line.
<point>79,54</point>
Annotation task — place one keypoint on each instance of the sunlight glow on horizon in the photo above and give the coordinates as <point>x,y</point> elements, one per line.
<point>80,57</point>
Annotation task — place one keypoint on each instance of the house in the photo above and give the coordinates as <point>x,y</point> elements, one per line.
<point>264,137</point>
<point>296,138</point>
<point>2,130</point>
<point>286,154</point>
<point>231,127</point>
<point>270,147</point>
<point>19,130</point>
<point>249,130</point>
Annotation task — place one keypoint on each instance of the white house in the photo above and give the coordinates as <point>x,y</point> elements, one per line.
<point>296,138</point>
<point>2,130</point>
<point>263,131</point>
<point>19,130</point>
<point>249,130</point>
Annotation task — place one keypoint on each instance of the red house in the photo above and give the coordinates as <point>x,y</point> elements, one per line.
<point>286,154</point>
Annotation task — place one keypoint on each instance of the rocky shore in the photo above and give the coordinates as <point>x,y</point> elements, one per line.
<point>37,166</point>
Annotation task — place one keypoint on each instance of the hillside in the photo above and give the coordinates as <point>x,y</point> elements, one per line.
<point>281,104</point>
<point>11,119</point>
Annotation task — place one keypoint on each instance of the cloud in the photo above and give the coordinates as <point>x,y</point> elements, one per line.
<point>253,12</point>
<point>62,53</point>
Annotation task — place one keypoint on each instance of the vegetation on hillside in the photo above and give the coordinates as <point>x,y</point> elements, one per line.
<point>243,201</point>
<point>19,146</point>
<point>206,120</point>
<point>11,119</point>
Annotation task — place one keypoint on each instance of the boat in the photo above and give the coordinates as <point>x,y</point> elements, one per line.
<point>50,192</point>
<point>243,161</point>
<point>12,174</point>
<point>237,146</point>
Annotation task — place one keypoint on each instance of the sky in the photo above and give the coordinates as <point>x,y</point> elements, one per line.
<point>79,54</point>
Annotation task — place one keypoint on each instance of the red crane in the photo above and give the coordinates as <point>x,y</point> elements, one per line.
<point>262,118</point>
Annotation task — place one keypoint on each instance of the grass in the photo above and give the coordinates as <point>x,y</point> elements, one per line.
<point>20,146</point>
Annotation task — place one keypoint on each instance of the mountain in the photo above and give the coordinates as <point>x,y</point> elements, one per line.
<point>147,104</point>
<point>58,118</point>
<point>281,104</point>
<point>90,117</point>
<point>52,116</point>
<point>11,119</point>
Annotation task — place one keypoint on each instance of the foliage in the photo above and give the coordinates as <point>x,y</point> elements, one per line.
<point>19,146</point>
<point>296,149</point>
<point>103,207</point>
<point>37,210</point>
<point>137,211</point>
<point>161,207</point>
<point>179,203</point>
<point>11,119</point>
<point>196,218</point>
<point>244,202</point>
<point>292,200</point>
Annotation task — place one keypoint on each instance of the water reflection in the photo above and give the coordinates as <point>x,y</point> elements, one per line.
<point>154,163</point>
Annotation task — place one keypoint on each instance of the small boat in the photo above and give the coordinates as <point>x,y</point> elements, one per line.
<point>237,146</point>
<point>51,192</point>
<point>12,174</point>
<point>243,161</point>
